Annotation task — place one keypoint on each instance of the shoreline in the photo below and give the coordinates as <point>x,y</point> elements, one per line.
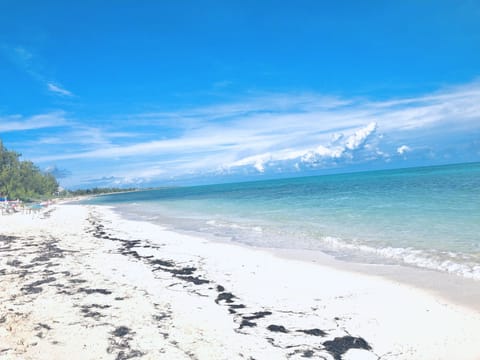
<point>450,286</point>
<point>70,278</point>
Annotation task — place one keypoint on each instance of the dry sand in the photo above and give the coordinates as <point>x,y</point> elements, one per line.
<point>80,282</point>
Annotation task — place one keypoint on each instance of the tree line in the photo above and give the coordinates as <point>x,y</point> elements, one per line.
<point>20,179</point>
<point>94,191</point>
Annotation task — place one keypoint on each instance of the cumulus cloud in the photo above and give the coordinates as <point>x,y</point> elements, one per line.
<point>403,149</point>
<point>288,159</point>
<point>360,136</point>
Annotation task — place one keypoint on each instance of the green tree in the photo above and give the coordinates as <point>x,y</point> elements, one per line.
<point>22,179</point>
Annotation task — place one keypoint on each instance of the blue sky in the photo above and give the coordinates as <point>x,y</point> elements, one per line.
<point>140,93</point>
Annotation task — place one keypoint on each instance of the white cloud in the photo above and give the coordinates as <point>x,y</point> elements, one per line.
<point>57,89</point>
<point>403,149</point>
<point>360,136</point>
<point>290,158</point>
<point>20,123</point>
<point>336,137</point>
<point>31,63</point>
<point>275,132</point>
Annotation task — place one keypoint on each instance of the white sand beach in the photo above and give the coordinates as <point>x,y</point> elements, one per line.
<point>80,282</point>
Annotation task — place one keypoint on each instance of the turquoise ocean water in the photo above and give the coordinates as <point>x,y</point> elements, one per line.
<point>424,217</point>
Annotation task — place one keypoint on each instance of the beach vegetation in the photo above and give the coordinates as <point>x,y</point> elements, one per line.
<point>95,191</point>
<point>22,179</point>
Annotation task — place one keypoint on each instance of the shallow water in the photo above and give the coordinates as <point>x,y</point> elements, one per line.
<point>424,217</point>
